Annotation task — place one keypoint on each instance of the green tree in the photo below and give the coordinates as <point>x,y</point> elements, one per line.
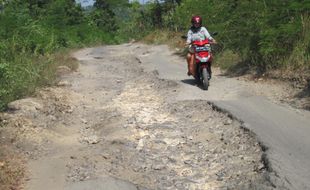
<point>32,30</point>
<point>103,17</point>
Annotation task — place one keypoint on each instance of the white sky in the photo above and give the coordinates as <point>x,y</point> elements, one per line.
<point>85,2</point>
<point>91,2</point>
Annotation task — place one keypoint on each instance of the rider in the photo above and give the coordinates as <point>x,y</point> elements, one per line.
<point>196,33</point>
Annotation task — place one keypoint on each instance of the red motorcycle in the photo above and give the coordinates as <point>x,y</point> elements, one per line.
<point>203,60</point>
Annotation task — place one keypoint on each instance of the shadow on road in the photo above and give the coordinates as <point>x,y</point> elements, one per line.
<point>189,81</point>
<point>192,82</point>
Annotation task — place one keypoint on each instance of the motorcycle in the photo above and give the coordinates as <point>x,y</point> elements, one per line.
<point>203,59</point>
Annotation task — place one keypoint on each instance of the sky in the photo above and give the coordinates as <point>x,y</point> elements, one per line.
<point>85,3</point>
<point>141,1</point>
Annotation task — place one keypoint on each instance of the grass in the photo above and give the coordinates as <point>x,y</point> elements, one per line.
<point>226,60</point>
<point>49,73</point>
<point>12,169</point>
<point>173,39</point>
<point>28,73</point>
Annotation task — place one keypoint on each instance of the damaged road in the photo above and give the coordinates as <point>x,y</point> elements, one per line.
<point>129,118</point>
<point>264,108</point>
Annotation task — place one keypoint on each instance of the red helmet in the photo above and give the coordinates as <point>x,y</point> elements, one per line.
<point>196,21</point>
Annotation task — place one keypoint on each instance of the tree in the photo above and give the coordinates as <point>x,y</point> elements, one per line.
<point>103,17</point>
<point>157,13</point>
<point>101,4</point>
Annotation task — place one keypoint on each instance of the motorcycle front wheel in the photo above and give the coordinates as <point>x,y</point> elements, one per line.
<point>205,79</point>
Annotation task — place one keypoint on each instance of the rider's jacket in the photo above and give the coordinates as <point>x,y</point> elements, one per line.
<point>198,35</point>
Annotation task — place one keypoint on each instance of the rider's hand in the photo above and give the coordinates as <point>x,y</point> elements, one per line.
<point>214,41</point>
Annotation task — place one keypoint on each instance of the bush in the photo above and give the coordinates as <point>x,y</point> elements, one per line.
<point>31,32</point>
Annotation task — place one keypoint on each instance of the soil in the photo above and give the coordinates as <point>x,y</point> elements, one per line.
<point>113,120</point>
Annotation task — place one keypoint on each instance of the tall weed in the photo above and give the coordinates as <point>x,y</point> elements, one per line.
<point>30,36</point>
<point>300,55</point>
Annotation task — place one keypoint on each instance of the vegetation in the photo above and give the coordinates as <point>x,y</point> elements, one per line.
<point>32,31</point>
<point>261,35</point>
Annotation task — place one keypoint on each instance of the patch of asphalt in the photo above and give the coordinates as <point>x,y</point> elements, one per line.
<point>281,129</point>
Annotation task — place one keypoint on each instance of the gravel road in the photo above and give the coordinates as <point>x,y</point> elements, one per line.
<point>130,118</point>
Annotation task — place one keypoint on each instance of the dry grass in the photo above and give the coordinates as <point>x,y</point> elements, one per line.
<point>49,74</point>
<point>300,55</point>
<point>64,59</point>
<point>12,169</point>
<point>173,39</point>
<point>227,60</point>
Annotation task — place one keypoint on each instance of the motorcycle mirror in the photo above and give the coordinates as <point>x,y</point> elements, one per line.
<point>215,33</point>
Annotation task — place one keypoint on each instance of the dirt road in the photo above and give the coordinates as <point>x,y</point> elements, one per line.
<point>129,118</point>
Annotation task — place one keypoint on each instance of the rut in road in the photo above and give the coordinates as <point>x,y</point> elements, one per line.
<point>112,118</point>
